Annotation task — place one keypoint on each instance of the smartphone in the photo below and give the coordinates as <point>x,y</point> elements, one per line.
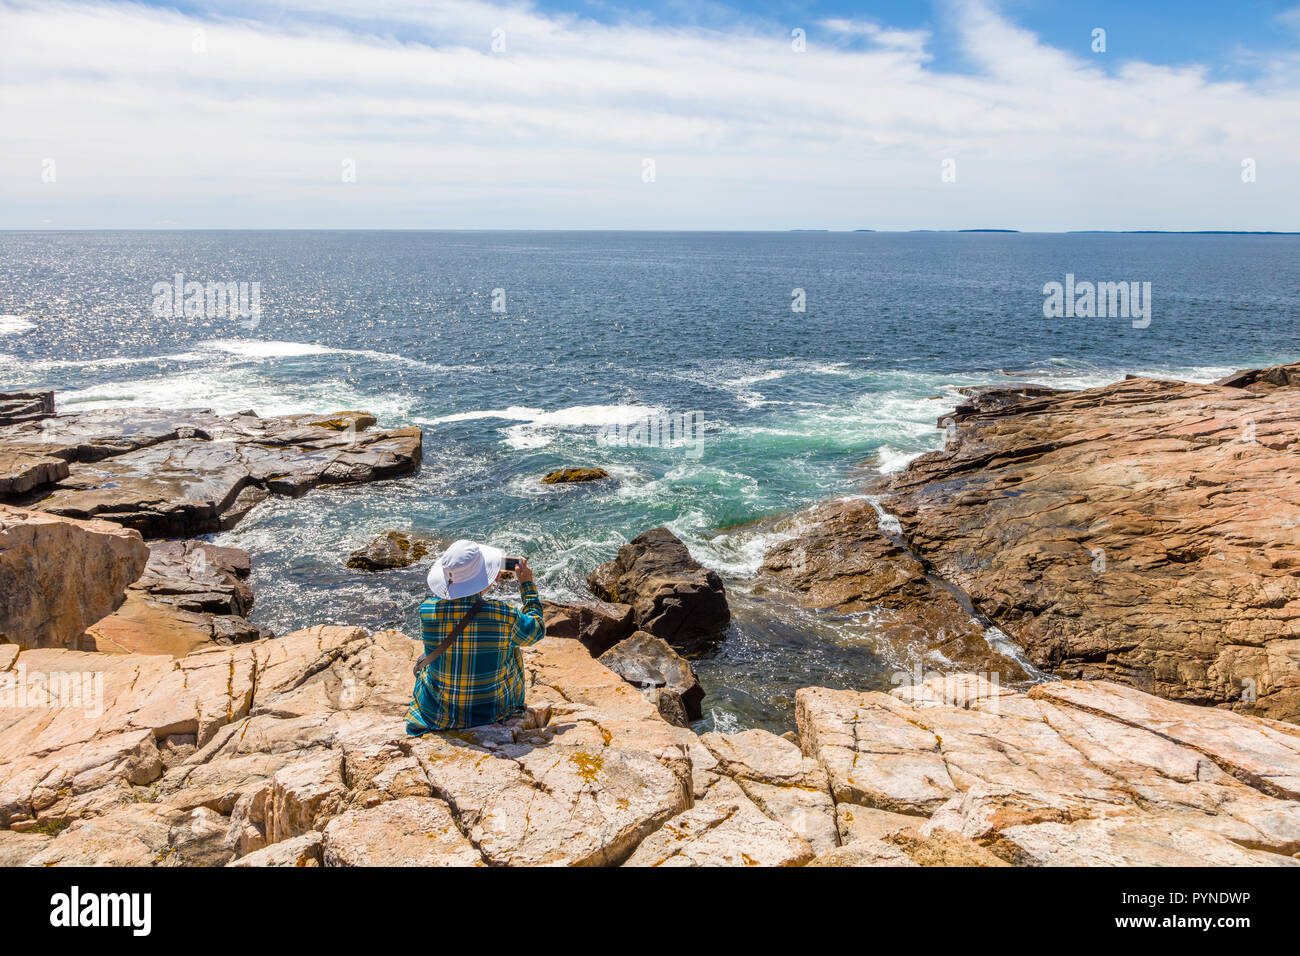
<point>509,564</point>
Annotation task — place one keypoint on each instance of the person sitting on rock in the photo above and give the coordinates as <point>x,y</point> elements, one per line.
<point>472,671</point>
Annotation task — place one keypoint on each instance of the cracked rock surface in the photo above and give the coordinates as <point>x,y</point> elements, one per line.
<point>293,752</point>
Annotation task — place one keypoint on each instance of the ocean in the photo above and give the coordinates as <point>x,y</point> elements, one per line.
<point>725,380</point>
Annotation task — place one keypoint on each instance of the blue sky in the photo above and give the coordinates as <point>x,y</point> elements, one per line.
<point>1224,35</point>
<point>694,115</point>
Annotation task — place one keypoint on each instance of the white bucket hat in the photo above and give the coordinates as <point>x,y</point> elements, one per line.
<point>465,568</point>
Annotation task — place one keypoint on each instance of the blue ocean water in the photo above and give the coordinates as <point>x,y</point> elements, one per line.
<point>600,332</point>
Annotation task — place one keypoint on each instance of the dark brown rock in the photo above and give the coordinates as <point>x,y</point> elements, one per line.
<point>198,576</point>
<point>985,398</point>
<point>845,562</point>
<point>670,705</point>
<point>599,625</point>
<point>392,549</point>
<point>18,407</point>
<point>1144,532</point>
<point>648,663</point>
<point>1262,380</point>
<point>673,596</point>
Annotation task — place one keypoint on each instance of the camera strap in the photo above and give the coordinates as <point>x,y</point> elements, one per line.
<point>437,652</point>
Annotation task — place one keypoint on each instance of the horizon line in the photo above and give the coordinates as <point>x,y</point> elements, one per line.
<point>792,229</point>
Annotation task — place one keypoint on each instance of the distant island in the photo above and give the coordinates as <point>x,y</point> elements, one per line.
<point>1090,232</point>
<point>1179,232</point>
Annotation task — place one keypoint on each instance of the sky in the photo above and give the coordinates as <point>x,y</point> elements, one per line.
<point>691,114</point>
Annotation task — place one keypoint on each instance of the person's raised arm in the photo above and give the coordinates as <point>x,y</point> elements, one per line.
<point>528,628</point>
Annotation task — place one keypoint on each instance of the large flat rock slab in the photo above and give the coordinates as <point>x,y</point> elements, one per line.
<point>722,834</point>
<point>409,831</point>
<point>1085,767</point>
<point>293,752</point>
<point>179,473</point>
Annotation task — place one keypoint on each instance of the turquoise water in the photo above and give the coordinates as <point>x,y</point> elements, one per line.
<point>602,332</point>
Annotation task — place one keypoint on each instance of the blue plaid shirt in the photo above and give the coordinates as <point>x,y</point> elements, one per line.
<point>480,678</point>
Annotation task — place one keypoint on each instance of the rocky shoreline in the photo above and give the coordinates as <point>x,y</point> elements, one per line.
<point>1146,532</point>
<point>1138,540</point>
<point>170,476</point>
<point>291,752</point>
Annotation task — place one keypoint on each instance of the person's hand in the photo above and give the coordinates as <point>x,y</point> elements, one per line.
<point>523,573</point>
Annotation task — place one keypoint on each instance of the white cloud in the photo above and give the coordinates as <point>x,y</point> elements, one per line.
<point>913,41</point>
<point>745,132</point>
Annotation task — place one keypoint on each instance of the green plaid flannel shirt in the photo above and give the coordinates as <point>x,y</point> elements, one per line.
<point>480,678</point>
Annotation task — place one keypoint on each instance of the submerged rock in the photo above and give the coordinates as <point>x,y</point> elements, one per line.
<point>566,476</point>
<point>392,549</point>
<point>673,596</point>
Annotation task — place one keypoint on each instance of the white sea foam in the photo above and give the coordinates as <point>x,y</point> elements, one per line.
<point>226,390</point>
<point>260,350</point>
<point>739,553</point>
<point>15,324</point>
<point>889,461</point>
<point>888,523</point>
<point>516,413</point>
<point>257,348</point>
<point>542,429</point>
<point>739,377</point>
<point>1062,372</point>
<point>113,361</point>
<point>999,642</point>
<point>724,722</point>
